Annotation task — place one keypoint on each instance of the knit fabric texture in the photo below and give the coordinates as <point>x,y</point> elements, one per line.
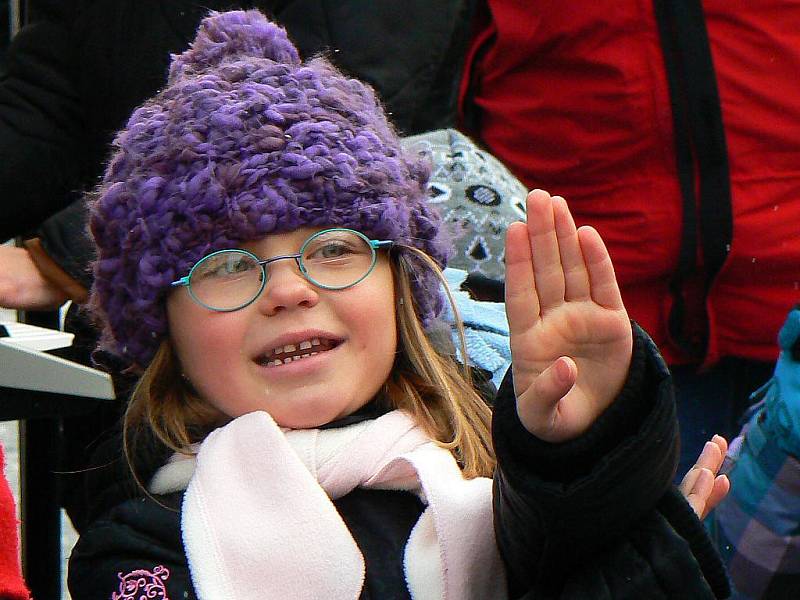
<point>476,195</point>
<point>12,586</point>
<point>245,140</point>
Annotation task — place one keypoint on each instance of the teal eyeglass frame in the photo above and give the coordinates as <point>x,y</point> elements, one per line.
<point>375,245</point>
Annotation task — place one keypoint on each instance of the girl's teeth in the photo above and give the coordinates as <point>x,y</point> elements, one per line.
<point>304,345</point>
<point>278,362</point>
<point>312,344</point>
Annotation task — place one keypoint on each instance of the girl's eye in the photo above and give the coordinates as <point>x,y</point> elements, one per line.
<point>225,266</point>
<point>333,250</point>
<point>330,250</point>
<point>238,265</point>
<point>337,248</point>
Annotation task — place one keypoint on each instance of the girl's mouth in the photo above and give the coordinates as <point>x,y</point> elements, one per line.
<point>294,352</point>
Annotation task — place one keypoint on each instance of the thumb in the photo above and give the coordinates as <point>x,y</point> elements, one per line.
<point>537,407</point>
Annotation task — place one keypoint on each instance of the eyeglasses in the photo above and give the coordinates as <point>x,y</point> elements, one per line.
<point>332,259</point>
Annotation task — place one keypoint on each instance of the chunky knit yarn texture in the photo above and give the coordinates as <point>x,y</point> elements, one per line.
<point>476,195</point>
<point>245,140</point>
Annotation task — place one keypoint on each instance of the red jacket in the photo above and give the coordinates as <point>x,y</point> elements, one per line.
<point>575,98</point>
<point>12,587</point>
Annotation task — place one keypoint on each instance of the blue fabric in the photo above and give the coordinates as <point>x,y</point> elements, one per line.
<point>782,393</point>
<point>485,328</point>
<point>757,526</point>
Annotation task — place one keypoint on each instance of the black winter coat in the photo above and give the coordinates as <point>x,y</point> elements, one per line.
<point>596,517</point>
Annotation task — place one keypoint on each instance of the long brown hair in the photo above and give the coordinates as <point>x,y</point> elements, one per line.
<point>427,382</point>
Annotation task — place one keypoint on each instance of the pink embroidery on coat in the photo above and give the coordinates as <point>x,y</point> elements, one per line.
<point>143,585</point>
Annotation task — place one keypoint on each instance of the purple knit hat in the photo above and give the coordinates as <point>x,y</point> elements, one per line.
<point>246,140</point>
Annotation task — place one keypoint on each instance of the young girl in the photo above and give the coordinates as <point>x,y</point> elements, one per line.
<point>266,258</point>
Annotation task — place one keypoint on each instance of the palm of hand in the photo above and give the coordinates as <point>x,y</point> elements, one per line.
<point>571,338</point>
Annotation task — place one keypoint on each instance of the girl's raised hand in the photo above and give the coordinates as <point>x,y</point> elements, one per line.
<point>571,340</point>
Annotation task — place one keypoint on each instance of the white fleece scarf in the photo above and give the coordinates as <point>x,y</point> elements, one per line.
<point>258,521</point>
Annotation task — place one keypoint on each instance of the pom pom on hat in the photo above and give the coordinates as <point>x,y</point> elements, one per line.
<point>246,140</point>
<point>233,35</point>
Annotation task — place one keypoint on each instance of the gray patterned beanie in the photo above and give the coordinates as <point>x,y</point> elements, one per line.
<point>476,195</point>
<point>246,140</point>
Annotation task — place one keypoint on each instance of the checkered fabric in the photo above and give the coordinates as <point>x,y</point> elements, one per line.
<point>757,526</point>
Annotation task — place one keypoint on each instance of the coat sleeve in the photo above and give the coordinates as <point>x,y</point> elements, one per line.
<point>66,241</point>
<point>42,157</point>
<point>597,517</point>
<point>135,545</point>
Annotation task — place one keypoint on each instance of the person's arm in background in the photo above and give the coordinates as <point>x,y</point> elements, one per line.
<point>23,286</point>
<point>40,130</point>
<point>42,160</point>
<point>50,270</point>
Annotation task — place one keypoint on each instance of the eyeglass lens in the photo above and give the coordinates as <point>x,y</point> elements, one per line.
<point>231,279</point>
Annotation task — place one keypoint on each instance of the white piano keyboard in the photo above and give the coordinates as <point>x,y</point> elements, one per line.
<point>34,338</point>
<point>25,365</point>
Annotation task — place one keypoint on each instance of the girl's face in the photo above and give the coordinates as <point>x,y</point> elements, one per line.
<point>229,356</point>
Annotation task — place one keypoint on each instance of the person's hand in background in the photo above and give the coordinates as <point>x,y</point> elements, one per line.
<point>23,286</point>
<point>701,486</point>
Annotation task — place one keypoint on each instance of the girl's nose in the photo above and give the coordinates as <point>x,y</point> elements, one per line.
<point>286,289</point>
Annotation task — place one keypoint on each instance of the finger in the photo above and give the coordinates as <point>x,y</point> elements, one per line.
<point>711,457</point>
<point>576,277</point>
<point>602,281</point>
<point>522,301</point>
<point>722,443</point>
<point>538,410</point>
<point>701,491</point>
<point>722,485</point>
<point>688,481</point>
<point>547,268</point>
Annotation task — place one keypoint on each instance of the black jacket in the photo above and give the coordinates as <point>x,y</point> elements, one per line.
<point>596,517</point>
